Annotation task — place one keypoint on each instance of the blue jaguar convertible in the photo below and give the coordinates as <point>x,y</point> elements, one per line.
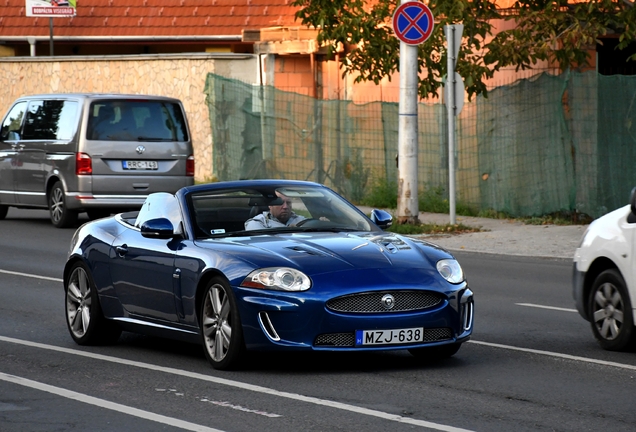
<point>259,265</point>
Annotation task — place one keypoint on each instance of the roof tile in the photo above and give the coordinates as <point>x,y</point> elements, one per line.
<point>151,18</point>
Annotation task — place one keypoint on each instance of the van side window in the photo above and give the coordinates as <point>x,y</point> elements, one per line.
<point>13,122</point>
<point>50,120</point>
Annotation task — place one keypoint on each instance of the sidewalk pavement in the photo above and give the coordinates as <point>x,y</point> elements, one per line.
<point>506,237</point>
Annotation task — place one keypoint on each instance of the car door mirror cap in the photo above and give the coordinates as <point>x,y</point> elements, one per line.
<point>632,200</point>
<point>160,228</point>
<point>381,218</point>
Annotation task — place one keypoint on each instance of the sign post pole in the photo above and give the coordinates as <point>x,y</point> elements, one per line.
<point>408,206</point>
<point>51,36</point>
<point>35,8</point>
<point>412,24</point>
<point>454,103</point>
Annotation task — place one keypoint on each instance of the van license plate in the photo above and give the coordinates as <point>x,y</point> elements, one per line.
<point>389,337</point>
<point>140,165</point>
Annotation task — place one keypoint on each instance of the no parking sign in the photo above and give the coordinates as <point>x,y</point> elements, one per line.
<point>413,22</point>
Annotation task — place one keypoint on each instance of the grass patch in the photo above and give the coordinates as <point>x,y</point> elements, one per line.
<point>432,229</point>
<point>559,218</point>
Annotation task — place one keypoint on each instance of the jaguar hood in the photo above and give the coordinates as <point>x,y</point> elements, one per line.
<point>316,253</point>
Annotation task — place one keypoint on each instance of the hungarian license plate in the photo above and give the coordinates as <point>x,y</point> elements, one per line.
<point>389,337</point>
<point>140,165</point>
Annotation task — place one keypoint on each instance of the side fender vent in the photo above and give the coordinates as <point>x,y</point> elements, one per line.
<point>267,326</point>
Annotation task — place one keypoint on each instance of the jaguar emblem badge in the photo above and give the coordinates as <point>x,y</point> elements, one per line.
<point>140,149</point>
<point>388,301</point>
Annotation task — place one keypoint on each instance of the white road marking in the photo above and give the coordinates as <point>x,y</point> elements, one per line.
<point>241,408</point>
<point>105,404</point>
<point>31,275</point>
<point>557,355</point>
<point>241,385</point>
<point>546,307</point>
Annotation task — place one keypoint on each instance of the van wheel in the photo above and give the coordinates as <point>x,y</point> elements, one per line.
<point>61,216</point>
<point>3,211</point>
<point>610,312</point>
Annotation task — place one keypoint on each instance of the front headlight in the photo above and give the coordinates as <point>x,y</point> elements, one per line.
<point>450,270</point>
<point>281,278</point>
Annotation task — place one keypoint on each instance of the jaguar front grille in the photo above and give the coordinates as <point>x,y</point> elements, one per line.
<point>375,302</point>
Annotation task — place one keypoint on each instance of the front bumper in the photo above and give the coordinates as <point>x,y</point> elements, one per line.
<point>578,291</point>
<point>304,323</point>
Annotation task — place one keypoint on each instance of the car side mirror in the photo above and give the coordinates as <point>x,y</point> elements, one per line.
<point>381,218</point>
<point>631,217</point>
<point>160,228</point>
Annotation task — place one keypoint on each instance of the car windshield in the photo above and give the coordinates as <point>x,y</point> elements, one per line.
<point>136,120</point>
<point>273,210</point>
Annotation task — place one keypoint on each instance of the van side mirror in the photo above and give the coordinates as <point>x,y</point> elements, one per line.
<point>632,200</point>
<point>8,135</point>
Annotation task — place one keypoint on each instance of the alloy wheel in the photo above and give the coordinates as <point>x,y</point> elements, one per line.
<point>57,204</point>
<point>217,327</point>
<point>78,302</point>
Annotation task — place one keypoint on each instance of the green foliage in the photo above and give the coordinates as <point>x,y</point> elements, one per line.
<point>381,194</point>
<point>357,175</point>
<point>559,31</point>
<point>434,200</point>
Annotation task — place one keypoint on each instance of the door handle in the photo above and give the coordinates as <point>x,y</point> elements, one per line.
<point>121,250</point>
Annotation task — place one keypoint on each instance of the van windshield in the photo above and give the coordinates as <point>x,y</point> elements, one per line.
<point>136,120</point>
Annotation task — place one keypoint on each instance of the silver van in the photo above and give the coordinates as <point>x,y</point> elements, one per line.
<point>94,153</point>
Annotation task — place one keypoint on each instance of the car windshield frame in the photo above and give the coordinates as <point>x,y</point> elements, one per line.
<point>221,213</point>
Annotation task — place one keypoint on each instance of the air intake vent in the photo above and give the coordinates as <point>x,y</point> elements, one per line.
<point>267,326</point>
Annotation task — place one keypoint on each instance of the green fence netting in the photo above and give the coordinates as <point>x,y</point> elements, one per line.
<point>540,146</point>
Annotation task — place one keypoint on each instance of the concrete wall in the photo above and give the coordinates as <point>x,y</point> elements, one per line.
<point>181,76</point>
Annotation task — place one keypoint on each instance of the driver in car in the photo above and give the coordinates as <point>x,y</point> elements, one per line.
<point>277,216</point>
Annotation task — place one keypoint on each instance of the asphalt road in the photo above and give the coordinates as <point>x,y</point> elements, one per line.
<point>531,365</point>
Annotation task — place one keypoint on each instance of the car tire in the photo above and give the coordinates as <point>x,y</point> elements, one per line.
<point>437,352</point>
<point>84,316</point>
<point>3,211</point>
<point>220,326</point>
<point>61,216</point>
<point>610,312</point>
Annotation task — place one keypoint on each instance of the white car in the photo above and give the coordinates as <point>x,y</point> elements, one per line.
<point>604,278</point>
